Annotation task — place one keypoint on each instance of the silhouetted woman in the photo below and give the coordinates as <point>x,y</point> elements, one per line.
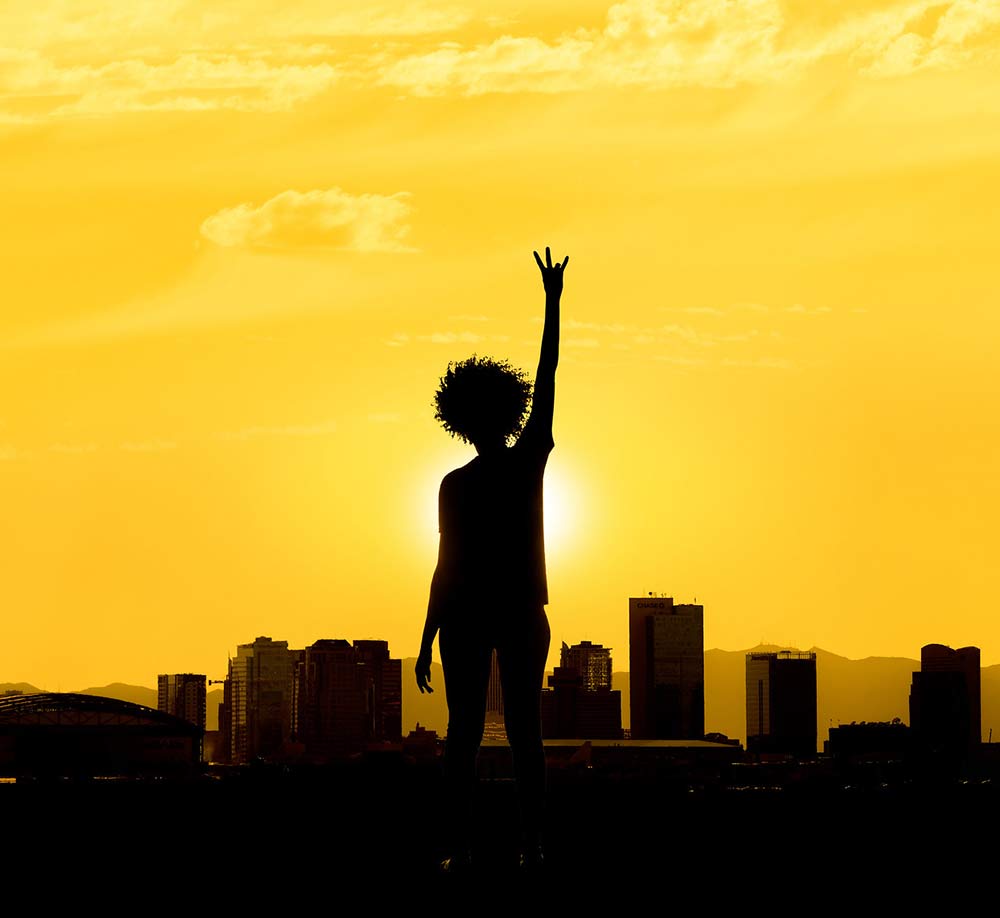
<point>489,588</point>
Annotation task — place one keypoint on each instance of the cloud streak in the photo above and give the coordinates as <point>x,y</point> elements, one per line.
<point>148,446</point>
<point>203,81</point>
<point>330,218</point>
<point>177,58</point>
<point>319,429</point>
<point>660,44</point>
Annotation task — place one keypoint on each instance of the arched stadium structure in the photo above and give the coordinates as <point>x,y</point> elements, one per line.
<point>69,735</point>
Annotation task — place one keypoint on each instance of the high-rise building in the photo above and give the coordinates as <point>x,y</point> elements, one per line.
<point>258,700</point>
<point>571,711</point>
<point>330,714</point>
<point>183,695</point>
<point>579,702</point>
<point>346,697</point>
<point>666,668</point>
<point>385,690</point>
<point>591,661</point>
<point>945,699</point>
<point>495,726</point>
<point>781,703</point>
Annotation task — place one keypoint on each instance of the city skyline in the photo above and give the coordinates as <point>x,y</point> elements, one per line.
<point>852,691</point>
<point>243,243</point>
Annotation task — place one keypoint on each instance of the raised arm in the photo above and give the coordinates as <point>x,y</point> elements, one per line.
<point>539,424</point>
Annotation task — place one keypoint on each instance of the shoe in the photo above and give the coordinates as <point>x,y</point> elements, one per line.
<point>532,859</point>
<point>458,864</point>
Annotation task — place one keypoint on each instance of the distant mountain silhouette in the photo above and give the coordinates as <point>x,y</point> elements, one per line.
<point>872,689</point>
<point>136,694</point>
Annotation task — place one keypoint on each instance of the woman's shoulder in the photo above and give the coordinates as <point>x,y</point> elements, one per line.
<point>462,473</point>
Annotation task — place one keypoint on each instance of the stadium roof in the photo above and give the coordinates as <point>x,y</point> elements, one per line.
<point>71,709</point>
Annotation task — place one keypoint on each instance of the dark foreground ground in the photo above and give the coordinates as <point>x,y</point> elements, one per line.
<point>276,841</point>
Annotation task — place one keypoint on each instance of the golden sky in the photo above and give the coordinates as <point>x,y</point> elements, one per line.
<point>242,242</point>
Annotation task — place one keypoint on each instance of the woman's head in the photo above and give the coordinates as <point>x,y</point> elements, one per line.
<point>482,401</point>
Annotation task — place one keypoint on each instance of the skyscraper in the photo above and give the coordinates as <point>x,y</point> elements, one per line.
<point>666,668</point>
<point>385,690</point>
<point>494,727</point>
<point>781,703</point>
<point>183,695</point>
<point>591,661</point>
<point>945,699</point>
<point>346,697</point>
<point>258,699</point>
<point>330,715</point>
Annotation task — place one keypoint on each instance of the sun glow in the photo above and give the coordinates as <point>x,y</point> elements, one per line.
<point>561,507</point>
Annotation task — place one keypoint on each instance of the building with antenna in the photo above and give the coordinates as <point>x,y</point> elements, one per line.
<point>666,668</point>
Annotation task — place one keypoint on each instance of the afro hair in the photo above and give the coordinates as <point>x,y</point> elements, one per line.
<point>482,398</point>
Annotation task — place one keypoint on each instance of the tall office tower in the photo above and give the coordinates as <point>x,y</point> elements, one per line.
<point>945,699</point>
<point>385,690</point>
<point>781,703</point>
<point>258,699</point>
<point>224,746</point>
<point>591,661</point>
<point>494,691</point>
<point>495,727</point>
<point>667,668</point>
<point>331,712</point>
<point>183,695</point>
<point>346,696</point>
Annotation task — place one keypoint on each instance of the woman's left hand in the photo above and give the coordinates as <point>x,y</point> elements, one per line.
<point>423,670</point>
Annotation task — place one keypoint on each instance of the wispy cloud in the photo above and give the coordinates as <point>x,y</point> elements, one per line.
<point>148,446</point>
<point>663,43</point>
<point>317,19</point>
<point>399,339</point>
<point>799,309</point>
<point>768,363</point>
<point>329,218</point>
<point>73,448</point>
<point>9,454</point>
<point>190,82</point>
<point>173,55</point>
<point>451,338</point>
<point>179,55</point>
<point>318,429</point>
<point>939,36</point>
<point>680,361</point>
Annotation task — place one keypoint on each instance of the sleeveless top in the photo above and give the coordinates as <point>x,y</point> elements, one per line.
<point>492,533</point>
